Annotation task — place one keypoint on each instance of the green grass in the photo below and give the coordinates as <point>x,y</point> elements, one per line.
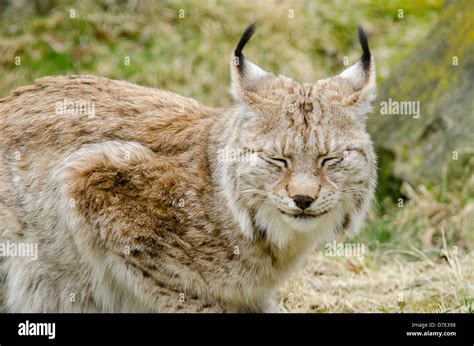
<point>190,55</point>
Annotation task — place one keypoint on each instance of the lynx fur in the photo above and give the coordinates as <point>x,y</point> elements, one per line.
<point>141,200</point>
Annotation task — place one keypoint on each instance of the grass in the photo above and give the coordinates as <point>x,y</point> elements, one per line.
<point>419,253</point>
<point>382,282</point>
<point>190,55</point>
<point>419,258</point>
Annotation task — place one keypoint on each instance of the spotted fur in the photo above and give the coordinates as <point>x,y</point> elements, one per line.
<point>133,210</point>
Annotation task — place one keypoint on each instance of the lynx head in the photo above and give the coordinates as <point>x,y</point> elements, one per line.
<point>308,163</point>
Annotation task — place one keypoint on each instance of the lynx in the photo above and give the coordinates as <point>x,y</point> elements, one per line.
<point>140,200</point>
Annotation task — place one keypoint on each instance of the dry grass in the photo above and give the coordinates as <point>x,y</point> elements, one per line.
<point>336,284</point>
<point>428,265</point>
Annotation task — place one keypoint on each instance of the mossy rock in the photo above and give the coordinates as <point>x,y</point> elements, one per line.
<point>439,74</point>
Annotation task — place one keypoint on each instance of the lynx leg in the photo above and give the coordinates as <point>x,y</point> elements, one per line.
<point>122,231</point>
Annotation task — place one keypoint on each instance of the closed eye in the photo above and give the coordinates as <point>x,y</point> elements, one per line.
<point>331,161</point>
<point>279,161</point>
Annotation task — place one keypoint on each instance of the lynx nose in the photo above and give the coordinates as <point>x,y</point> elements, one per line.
<point>303,201</point>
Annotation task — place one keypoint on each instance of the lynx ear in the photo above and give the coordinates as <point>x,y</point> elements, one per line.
<point>361,78</point>
<point>244,73</point>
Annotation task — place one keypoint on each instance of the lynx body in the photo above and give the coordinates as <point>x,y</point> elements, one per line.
<point>153,202</point>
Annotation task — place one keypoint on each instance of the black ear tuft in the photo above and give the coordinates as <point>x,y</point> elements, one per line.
<point>243,41</point>
<point>365,58</point>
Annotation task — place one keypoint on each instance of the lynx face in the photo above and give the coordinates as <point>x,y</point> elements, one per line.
<point>311,165</point>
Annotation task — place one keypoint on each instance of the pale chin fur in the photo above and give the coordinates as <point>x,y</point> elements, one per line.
<point>282,229</point>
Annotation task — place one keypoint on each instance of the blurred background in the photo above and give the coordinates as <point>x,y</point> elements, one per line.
<point>419,237</point>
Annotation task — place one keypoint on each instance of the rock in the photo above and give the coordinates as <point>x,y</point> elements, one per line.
<point>439,74</point>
